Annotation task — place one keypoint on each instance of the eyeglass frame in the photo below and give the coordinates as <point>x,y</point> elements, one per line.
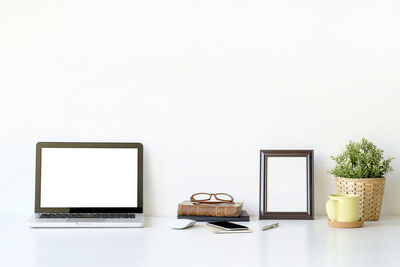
<point>206,201</point>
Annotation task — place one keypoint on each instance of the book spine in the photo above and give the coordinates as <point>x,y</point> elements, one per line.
<point>205,210</point>
<point>214,218</point>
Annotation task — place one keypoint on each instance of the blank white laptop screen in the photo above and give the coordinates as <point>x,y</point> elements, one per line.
<point>89,177</point>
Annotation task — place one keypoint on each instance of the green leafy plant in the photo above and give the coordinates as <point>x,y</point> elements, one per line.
<point>361,160</point>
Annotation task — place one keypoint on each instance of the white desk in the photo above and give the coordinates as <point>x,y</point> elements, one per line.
<point>293,243</point>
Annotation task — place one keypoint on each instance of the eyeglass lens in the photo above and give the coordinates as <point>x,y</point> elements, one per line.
<point>202,197</point>
<point>224,197</point>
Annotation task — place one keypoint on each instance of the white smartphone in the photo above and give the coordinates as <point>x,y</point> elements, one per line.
<point>228,226</point>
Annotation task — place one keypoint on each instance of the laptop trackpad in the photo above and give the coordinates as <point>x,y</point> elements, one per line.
<point>85,220</point>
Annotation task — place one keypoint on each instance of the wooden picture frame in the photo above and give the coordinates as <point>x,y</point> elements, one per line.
<point>287,184</point>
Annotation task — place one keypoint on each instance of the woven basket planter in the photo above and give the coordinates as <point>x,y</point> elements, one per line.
<point>370,191</point>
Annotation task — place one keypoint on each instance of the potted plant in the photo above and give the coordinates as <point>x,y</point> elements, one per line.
<point>360,170</point>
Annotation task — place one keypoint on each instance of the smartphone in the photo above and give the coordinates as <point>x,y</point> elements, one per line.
<point>228,226</point>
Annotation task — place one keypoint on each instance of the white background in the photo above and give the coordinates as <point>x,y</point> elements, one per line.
<point>89,177</point>
<point>203,84</point>
<point>287,184</point>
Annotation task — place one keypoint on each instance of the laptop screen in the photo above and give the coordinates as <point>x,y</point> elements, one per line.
<point>89,177</point>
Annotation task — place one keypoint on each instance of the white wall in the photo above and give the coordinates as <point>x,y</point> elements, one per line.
<point>203,84</point>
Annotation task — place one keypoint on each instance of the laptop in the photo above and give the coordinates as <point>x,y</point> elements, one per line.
<point>88,185</point>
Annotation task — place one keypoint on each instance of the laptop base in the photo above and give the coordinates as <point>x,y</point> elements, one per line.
<point>35,222</point>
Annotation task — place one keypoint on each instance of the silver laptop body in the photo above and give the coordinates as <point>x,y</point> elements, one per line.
<point>88,185</point>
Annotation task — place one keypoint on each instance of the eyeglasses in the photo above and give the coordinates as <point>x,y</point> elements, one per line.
<point>205,198</point>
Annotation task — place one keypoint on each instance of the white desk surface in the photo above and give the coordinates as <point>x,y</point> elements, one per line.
<point>293,243</point>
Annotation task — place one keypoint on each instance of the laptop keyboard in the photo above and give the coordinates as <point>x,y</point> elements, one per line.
<point>87,215</point>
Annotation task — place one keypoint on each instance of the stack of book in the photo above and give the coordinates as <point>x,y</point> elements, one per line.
<point>212,212</point>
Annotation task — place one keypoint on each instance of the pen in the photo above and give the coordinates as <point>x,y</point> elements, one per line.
<point>270,226</point>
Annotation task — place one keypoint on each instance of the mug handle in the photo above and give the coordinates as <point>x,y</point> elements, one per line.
<point>330,210</point>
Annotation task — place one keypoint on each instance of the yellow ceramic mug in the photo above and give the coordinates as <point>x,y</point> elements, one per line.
<point>343,208</point>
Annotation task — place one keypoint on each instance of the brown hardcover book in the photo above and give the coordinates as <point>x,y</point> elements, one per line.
<point>219,210</point>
